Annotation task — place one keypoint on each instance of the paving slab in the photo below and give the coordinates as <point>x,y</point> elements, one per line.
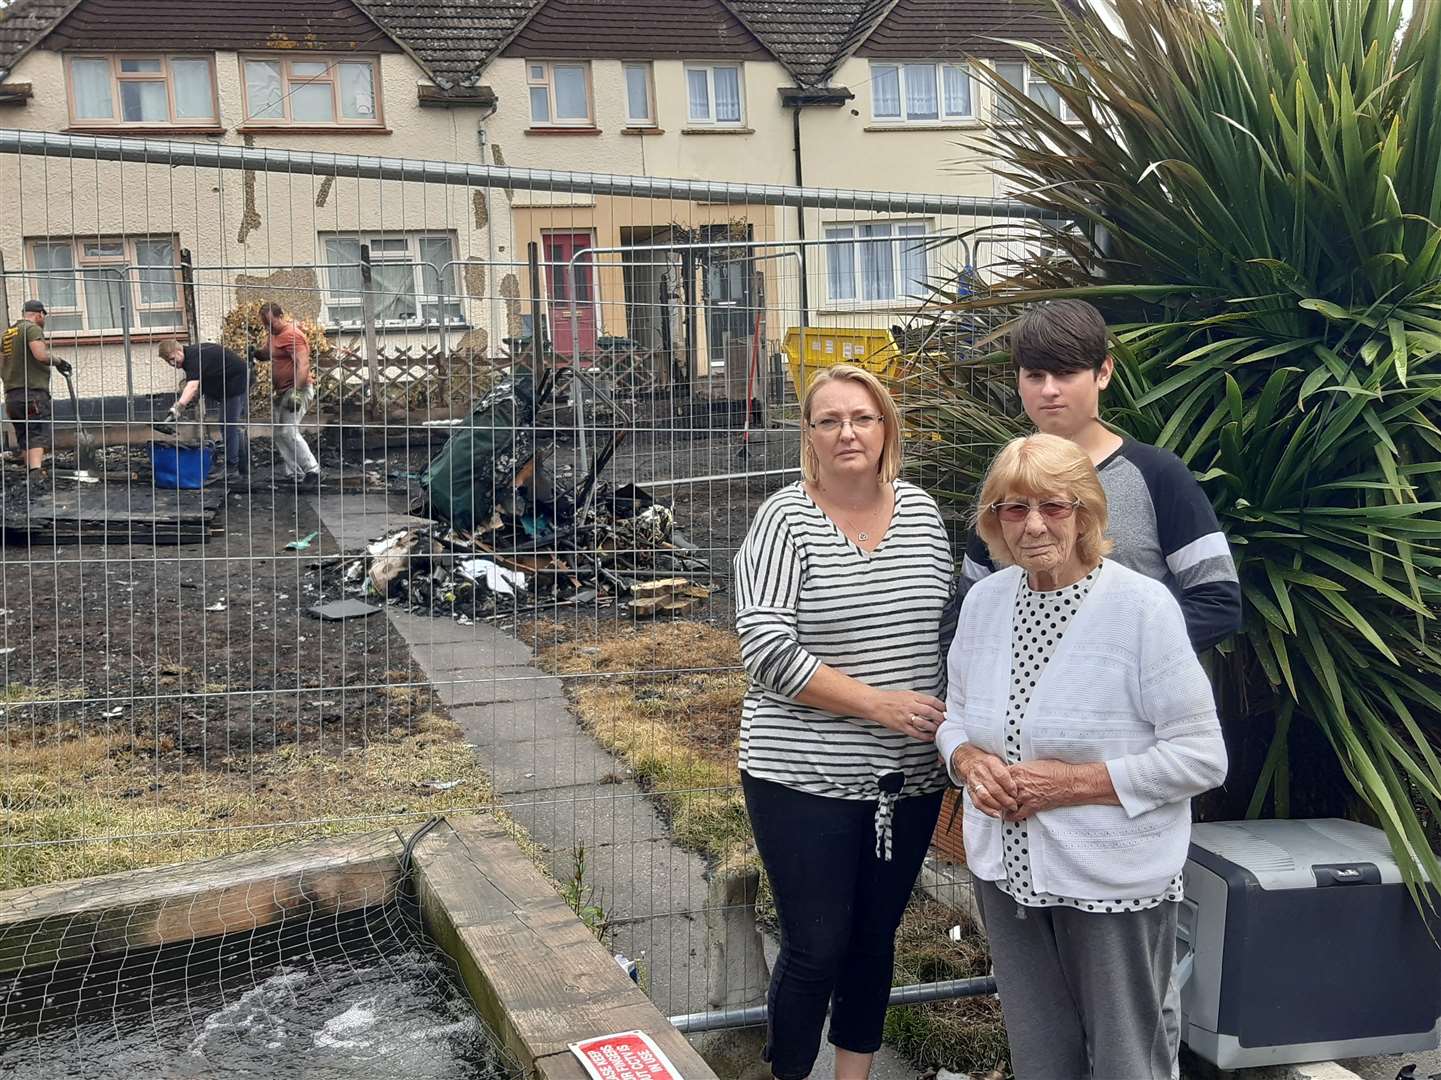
<point>354,519</point>
<point>512,721</point>
<point>461,689</point>
<point>435,629</point>
<point>533,765</point>
<point>600,817</point>
<point>476,657</point>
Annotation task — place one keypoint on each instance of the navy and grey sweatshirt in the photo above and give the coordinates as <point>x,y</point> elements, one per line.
<point>1163,526</point>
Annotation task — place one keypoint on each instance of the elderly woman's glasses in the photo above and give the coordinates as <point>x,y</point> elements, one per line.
<point>830,425</point>
<point>1054,509</point>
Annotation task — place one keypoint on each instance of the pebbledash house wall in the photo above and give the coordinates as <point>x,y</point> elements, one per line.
<point>207,211</point>
<point>842,148</point>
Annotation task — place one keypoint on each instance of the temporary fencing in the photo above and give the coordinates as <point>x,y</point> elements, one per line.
<point>548,405</point>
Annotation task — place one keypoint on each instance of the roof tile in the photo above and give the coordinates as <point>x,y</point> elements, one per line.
<point>22,23</point>
<point>453,38</point>
<point>183,24</point>
<point>456,39</point>
<point>951,30</point>
<point>684,29</point>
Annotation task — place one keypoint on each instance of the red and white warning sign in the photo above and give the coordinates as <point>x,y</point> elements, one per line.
<point>628,1055</point>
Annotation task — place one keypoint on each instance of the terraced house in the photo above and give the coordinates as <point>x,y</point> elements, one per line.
<point>856,94</point>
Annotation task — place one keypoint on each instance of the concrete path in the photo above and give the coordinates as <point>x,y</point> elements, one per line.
<point>564,788</point>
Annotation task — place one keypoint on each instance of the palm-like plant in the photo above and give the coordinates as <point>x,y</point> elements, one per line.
<point>1256,188</point>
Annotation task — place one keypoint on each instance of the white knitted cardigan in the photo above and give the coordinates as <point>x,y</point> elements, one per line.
<point>1123,687</point>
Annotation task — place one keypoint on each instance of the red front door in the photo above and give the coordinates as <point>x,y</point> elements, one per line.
<point>572,292</point>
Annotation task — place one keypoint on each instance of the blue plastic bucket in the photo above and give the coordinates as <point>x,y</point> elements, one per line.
<point>181,466</point>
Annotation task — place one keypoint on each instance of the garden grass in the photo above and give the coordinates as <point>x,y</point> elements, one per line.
<point>76,804</point>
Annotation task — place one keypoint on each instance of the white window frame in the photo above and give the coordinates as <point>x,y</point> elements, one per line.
<point>331,76</point>
<point>128,270</point>
<point>901,68</point>
<point>541,74</point>
<point>857,235</point>
<point>647,71</point>
<point>118,77</point>
<point>379,257</point>
<point>709,120</point>
<point>1031,82</point>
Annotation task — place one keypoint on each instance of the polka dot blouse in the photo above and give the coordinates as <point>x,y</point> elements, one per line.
<point>1041,619</point>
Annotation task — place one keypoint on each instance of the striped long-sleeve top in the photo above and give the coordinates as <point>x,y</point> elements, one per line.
<point>806,595</point>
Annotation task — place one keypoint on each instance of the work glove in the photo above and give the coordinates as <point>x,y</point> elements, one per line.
<point>62,366</point>
<point>256,352</point>
<point>168,426</point>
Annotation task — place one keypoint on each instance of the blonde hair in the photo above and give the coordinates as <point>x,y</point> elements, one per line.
<point>168,348</point>
<point>889,466</point>
<point>1040,465</point>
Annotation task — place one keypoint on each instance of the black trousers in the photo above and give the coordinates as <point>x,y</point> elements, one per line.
<point>839,906</point>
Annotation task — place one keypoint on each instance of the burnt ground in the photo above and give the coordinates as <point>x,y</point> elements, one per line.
<point>207,645</point>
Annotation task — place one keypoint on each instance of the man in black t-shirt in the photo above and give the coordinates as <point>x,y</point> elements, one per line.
<point>221,376</point>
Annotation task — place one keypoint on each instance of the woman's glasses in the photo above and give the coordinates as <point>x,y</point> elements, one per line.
<point>1055,509</point>
<point>830,425</point>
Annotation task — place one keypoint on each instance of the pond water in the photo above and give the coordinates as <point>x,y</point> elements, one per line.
<point>362,996</point>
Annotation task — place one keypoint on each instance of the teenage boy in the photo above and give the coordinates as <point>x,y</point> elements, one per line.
<point>1162,524</point>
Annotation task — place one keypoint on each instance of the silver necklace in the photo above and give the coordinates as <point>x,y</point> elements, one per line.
<point>862,535</point>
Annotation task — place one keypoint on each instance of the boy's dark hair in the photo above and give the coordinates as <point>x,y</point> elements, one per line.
<point>271,309</point>
<point>1060,336</point>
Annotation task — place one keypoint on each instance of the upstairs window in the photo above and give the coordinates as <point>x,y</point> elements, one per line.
<point>639,95</point>
<point>309,90</point>
<point>141,90</point>
<point>921,93</point>
<point>714,95</point>
<point>559,94</point>
<point>1019,74</point>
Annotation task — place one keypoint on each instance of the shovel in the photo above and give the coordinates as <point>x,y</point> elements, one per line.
<point>84,440</point>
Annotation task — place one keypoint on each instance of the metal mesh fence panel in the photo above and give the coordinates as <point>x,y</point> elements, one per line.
<point>487,566</point>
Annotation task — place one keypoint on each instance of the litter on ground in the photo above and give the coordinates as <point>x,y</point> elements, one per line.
<point>512,522</point>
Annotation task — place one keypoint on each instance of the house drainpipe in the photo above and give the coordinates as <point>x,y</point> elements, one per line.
<point>494,314</point>
<point>801,217</point>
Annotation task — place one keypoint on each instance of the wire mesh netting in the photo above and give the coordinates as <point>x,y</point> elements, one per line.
<point>485,568</point>
<point>326,971</point>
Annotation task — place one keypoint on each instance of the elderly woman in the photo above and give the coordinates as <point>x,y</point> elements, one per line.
<point>840,585</point>
<point>1080,724</point>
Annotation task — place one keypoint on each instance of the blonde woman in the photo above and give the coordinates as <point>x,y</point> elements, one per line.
<point>1080,725</point>
<point>840,585</point>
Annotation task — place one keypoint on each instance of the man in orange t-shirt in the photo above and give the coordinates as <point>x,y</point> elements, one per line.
<point>294,388</point>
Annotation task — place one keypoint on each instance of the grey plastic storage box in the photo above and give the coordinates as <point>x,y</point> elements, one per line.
<point>1299,942</point>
